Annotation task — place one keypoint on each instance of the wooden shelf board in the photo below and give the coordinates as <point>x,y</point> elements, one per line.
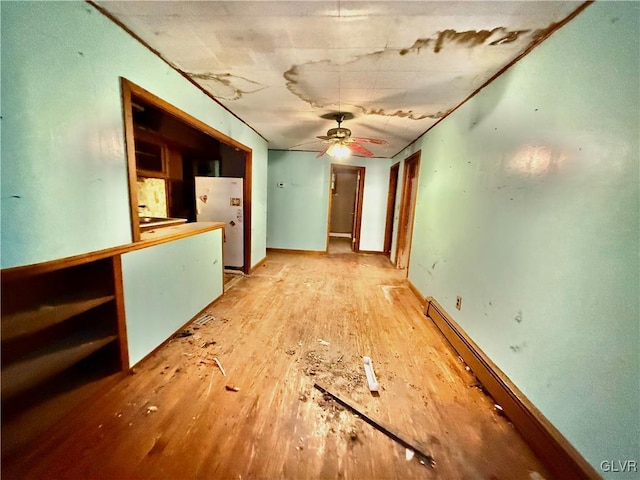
<point>27,322</point>
<point>20,432</point>
<point>45,363</point>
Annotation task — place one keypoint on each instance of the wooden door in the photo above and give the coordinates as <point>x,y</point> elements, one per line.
<point>391,205</point>
<point>407,209</point>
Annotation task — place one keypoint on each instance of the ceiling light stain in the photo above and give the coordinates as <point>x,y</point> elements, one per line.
<point>227,86</point>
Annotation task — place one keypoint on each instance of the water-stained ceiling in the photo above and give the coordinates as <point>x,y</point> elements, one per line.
<point>398,67</point>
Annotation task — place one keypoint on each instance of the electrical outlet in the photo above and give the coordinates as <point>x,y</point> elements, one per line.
<point>458,302</point>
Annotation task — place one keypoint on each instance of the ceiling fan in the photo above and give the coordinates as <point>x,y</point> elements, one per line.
<point>341,144</point>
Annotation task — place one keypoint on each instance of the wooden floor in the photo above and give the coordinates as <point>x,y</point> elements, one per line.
<point>339,245</point>
<point>174,418</point>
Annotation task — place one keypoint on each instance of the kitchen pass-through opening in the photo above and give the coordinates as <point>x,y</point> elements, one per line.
<point>167,151</point>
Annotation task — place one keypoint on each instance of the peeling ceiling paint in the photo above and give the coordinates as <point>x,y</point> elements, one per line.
<point>397,66</point>
<point>225,86</point>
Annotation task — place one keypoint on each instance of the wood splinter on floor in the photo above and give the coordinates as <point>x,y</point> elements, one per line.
<point>220,366</point>
<point>424,458</point>
<point>371,376</point>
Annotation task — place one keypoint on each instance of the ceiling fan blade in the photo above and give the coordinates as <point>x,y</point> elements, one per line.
<point>324,137</point>
<point>376,141</point>
<point>358,149</point>
<point>324,151</point>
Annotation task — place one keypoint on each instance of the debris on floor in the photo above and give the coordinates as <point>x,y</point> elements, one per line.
<point>424,458</point>
<point>220,366</point>
<point>323,342</point>
<point>208,344</point>
<point>480,387</point>
<point>290,352</point>
<point>333,370</point>
<point>182,334</point>
<point>409,454</point>
<point>232,388</point>
<point>327,403</point>
<point>371,376</point>
<point>152,408</point>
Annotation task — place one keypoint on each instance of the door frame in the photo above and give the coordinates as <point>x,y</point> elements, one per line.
<point>391,206</point>
<point>407,210</point>
<point>356,227</point>
<point>130,89</point>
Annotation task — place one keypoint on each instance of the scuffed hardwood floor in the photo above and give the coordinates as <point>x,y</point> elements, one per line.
<point>174,418</point>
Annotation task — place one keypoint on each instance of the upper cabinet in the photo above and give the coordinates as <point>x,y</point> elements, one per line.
<point>151,155</point>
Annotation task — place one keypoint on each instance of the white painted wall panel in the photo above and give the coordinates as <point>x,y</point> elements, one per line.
<point>167,285</point>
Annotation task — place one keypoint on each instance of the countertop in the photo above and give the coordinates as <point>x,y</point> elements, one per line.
<point>147,239</point>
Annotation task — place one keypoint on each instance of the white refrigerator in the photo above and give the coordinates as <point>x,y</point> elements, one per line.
<point>219,199</point>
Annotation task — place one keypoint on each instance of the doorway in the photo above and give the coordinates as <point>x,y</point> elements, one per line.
<point>407,209</point>
<point>345,208</point>
<point>391,205</point>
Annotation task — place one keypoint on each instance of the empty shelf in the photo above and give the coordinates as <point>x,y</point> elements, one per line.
<point>27,322</point>
<point>43,364</point>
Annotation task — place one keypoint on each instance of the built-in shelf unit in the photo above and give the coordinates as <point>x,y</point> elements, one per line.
<point>62,336</point>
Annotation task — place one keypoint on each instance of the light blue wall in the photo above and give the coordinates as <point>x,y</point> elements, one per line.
<point>167,285</point>
<point>528,208</point>
<point>259,203</point>
<point>297,215</point>
<point>64,178</point>
<point>298,212</point>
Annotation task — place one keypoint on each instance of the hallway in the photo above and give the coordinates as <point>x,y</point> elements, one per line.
<point>174,418</point>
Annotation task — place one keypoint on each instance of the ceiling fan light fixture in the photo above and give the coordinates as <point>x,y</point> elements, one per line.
<point>339,151</point>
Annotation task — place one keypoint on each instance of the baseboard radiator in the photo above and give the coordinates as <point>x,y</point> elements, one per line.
<point>560,457</point>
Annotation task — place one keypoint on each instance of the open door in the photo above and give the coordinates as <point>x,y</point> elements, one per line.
<point>391,205</point>
<point>345,207</point>
<point>407,209</point>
